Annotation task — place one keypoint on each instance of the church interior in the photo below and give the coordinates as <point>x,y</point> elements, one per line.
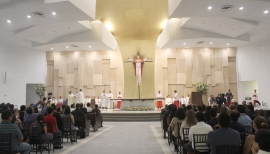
<point>144,52</point>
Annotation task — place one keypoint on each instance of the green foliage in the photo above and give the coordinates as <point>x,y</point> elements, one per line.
<point>40,90</point>
<point>201,87</point>
<point>138,109</point>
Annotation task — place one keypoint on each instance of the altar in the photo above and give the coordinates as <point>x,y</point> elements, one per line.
<point>138,102</point>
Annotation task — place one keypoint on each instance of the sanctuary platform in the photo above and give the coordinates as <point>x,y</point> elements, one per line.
<point>118,115</point>
<point>138,102</point>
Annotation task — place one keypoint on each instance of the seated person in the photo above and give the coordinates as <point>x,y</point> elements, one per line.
<point>98,113</point>
<point>72,107</point>
<point>251,113</point>
<point>262,140</point>
<point>16,135</point>
<point>22,111</point>
<point>30,115</point>
<point>234,124</point>
<point>88,108</point>
<point>214,121</point>
<point>73,128</point>
<point>51,119</point>
<point>83,109</point>
<point>243,119</point>
<point>78,111</point>
<point>224,135</point>
<point>40,123</point>
<point>188,122</point>
<point>199,128</point>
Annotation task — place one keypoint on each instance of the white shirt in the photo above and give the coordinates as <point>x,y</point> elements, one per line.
<point>119,97</point>
<point>81,97</point>
<point>183,101</point>
<point>255,96</point>
<point>70,99</point>
<point>89,109</point>
<point>159,96</point>
<point>54,101</point>
<point>60,100</point>
<point>187,100</point>
<point>97,100</point>
<point>199,128</point>
<point>168,100</point>
<point>176,97</point>
<point>110,96</point>
<point>209,100</point>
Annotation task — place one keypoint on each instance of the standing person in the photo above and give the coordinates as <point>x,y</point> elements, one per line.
<point>176,99</point>
<point>210,100</point>
<point>70,98</point>
<point>110,103</point>
<point>229,96</point>
<point>187,99</point>
<point>159,100</point>
<point>183,100</point>
<point>255,96</point>
<point>98,101</point>
<point>54,101</point>
<point>103,99</point>
<point>77,98</point>
<point>119,96</point>
<point>168,100</point>
<point>60,100</point>
<point>221,101</point>
<point>81,96</point>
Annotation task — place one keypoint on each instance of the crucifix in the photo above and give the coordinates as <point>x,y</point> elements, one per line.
<point>138,68</point>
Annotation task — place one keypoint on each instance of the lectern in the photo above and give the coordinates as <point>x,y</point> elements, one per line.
<point>196,98</point>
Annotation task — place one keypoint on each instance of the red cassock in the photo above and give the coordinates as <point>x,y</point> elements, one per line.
<point>119,103</point>
<point>176,103</point>
<point>159,103</point>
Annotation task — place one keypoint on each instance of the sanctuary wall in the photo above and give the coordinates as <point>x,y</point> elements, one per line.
<point>179,69</point>
<point>86,70</point>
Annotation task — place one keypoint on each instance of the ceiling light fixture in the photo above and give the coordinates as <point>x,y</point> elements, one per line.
<point>53,13</point>
<point>8,21</point>
<point>241,8</point>
<point>89,46</point>
<point>28,16</point>
<point>164,23</point>
<point>266,11</point>
<point>109,26</point>
<point>228,44</point>
<point>184,43</point>
<point>51,48</point>
<point>209,7</point>
<point>66,46</point>
<point>211,43</point>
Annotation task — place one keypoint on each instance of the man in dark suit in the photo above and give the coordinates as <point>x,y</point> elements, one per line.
<point>229,96</point>
<point>77,111</point>
<point>83,109</point>
<point>221,101</point>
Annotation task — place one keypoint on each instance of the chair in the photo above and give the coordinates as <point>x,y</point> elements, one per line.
<point>67,130</point>
<point>185,135</point>
<point>6,145</point>
<point>179,136</point>
<point>199,142</point>
<point>56,139</point>
<point>169,136</point>
<point>26,127</point>
<point>231,149</point>
<point>248,130</point>
<point>36,139</point>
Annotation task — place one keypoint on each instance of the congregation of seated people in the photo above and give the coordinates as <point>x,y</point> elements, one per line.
<point>48,117</point>
<point>235,126</point>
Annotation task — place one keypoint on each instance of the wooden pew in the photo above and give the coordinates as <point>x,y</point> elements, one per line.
<point>93,118</point>
<point>82,121</point>
<point>164,126</point>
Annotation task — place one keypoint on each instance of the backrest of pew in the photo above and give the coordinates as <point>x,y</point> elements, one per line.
<point>82,121</point>
<point>164,123</point>
<point>92,116</point>
<point>92,103</point>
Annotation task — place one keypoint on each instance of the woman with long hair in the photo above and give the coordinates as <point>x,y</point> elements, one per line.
<point>258,123</point>
<point>179,118</point>
<point>73,128</point>
<point>40,123</point>
<point>188,122</point>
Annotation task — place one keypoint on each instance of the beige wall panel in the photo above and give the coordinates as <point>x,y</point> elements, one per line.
<point>98,90</point>
<point>219,77</point>
<point>56,60</point>
<point>180,90</point>
<point>92,92</point>
<point>180,65</point>
<point>188,56</point>
<point>50,81</point>
<point>180,54</point>
<point>50,90</point>
<point>218,63</point>
<point>120,76</point>
<point>194,63</point>
<point>188,91</point>
<point>50,76</point>
<point>62,65</point>
<point>224,57</point>
<point>55,84</point>
<point>181,78</point>
<point>200,66</point>
<point>73,90</point>
<point>226,85</point>
<point>106,54</point>
<point>166,87</point>
<point>86,91</point>
<point>208,80</point>
<point>225,72</point>
<point>113,88</point>
<point>70,68</point>
<point>171,53</point>
<point>60,82</point>
<point>97,79</point>
<point>233,88</point>
<point>206,62</point>
<point>172,76</point>
<point>232,67</point>
<point>212,56</point>
<point>106,72</point>
<point>171,88</point>
<point>232,78</point>
<point>218,52</point>
<point>159,87</point>
<point>61,93</point>
<point>120,88</point>
<point>195,78</point>
<point>165,73</point>
<point>113,74</point>
<point>231,52</point>
<point>164,58</point>
<point>69,80</point>
<point>188,76</point>
<point>89,77</point>
<point>97,65</point>
<point>213,91</point>
<point>80,72</point>
<point>76,77</point>
<point>213,81</point>
<point>115,58</point>
<point>49,55</point>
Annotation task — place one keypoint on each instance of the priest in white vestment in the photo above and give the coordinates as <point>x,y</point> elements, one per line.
<point>98,101</point>
<point>81,96</point>
<point>77,98</point>
<point>110,102</point>
<point>54,100</point>
<point>187,99</point>
<point>168,100</point>
<point>103,99</point>
<point>183,100</point>
<point>70,98</point>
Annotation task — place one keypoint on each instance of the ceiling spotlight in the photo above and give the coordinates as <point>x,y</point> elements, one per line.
<point>241,8</point>
<point>184,43</point>
<point>8,21</point>
<point>211,43</point>
<point>228,44</point>
<point>51,48</point>
<point>109,26</point>
<point>53,13</point>
<point>28,16</point>
<point>89,46</point>
<point>66,46</point>
<point>164,23</point>
<point>209,7</point>
<point>266,11</point>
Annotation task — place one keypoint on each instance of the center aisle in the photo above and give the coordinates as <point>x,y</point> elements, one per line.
<point>122,138</point>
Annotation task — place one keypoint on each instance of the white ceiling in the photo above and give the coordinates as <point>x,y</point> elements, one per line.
<point>239,27</point>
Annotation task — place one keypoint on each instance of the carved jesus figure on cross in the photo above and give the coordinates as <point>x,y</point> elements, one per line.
<point>138,66</point>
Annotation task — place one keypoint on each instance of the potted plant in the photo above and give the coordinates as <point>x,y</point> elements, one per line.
<point>40,90</point>
<point>201,87</point>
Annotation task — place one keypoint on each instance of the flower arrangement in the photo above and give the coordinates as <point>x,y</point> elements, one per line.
<point>137,109</point>
<point>201,87</point>
<point>40,90</point>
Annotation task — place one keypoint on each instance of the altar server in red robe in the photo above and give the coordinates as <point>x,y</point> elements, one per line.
<point>159,100</point>
<point>119,101</point>
<point>176,99</point>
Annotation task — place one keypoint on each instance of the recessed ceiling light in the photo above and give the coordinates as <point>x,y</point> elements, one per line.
<point>209,7</point>
<point>53,13</point>
<point>241,8</point>
<point>89,46</point>
<point>184,43</point>
<point>51,48</point>
<point>109,26</point>
<point>211,43</point>
<point>28,16</point>
<point>228,44</point>
<point>66,46</point>
<point>266,11</point>
<point>8,21</point>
